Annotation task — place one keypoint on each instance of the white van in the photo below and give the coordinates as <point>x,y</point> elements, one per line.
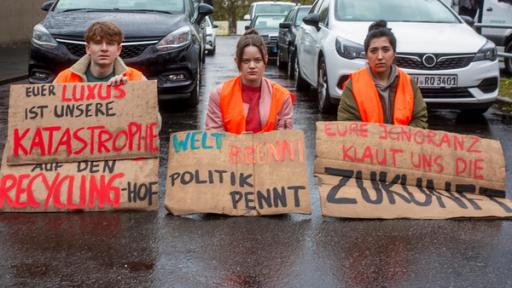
<point>495,12</point>
<point>499,12</point>
<point>268,7</point>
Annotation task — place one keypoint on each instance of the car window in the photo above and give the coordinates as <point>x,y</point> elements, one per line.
<point>194,11</point>
<point>176,6</point>
<point>431,11</point>
<point>289,16</point>
<point>300,15</point>
<point>274,8</point>
<point>316,6</point>
<point>324,13</point>
<point>268,22</point>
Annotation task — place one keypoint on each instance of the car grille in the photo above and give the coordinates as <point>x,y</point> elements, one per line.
<point>129,50</point>
<point>437,93</point>
<point>442,61</point>
<point>269,41</point>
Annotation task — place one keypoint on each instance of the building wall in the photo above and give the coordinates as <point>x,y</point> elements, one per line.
<point>17,18</point>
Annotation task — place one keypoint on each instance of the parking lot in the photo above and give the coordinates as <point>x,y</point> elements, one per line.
<point>156,249</point>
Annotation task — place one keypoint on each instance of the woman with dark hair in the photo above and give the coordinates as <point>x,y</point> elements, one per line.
<point>250,102</point>
<point>381,92</point>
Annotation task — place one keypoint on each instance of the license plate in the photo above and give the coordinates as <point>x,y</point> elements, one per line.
<point>436,81</point>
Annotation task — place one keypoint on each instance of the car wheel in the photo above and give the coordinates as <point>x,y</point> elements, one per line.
<point>300,83</point>
<point>280,63</point>
<point>212,52</point>
<point>508,61</point>
<point>291,65</point>
<point>322,88</point>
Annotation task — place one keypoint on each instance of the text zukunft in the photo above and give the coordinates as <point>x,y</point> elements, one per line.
<point>345,193</point>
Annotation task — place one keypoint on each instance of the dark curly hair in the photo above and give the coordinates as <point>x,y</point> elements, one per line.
<point>379,29</point>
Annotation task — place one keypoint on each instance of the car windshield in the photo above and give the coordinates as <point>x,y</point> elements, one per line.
<point>303,11</point>
<point>168,6</point>
<point>430,11</point>
<point>268,22</point>
<point>274,8</point>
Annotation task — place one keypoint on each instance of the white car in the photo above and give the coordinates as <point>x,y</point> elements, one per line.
<point>268,7</point>
<point>210,36</point>
<point>453,65</point>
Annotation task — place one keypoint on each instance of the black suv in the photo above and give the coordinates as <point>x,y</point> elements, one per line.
<point>163,39</point>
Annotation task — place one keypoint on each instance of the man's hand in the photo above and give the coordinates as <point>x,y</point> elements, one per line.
<point>117,80</point>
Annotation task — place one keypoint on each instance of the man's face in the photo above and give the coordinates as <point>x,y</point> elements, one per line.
<point>103,53</point>
<point>380,55</point>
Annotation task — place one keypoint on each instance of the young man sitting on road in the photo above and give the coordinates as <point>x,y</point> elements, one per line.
<point>101,62</point>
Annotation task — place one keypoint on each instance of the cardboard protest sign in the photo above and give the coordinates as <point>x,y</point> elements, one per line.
<point>80,186</point>
<point>248,174</point>
<point>82,121</point>
<point>385,169</point>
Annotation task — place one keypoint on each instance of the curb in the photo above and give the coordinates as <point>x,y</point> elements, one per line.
<point>503,100</point>
<point>13,79</point>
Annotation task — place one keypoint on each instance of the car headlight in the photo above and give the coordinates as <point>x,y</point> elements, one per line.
<point>349,50</point>
<point>487,52</point>
<point>42,38</point>
<point>174,40</point>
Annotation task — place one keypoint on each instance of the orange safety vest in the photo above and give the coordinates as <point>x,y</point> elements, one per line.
<point>232,108</point>
<point>368,99</point>
<point>68,76</point>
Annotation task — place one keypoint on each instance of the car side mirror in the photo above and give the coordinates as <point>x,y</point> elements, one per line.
<point>285,25</point>
<point>468,20</point>
<point>215,26</point>
<point>47,5</point>
<point>203,11</point>
<point>247,27</point>
<point>247,17</point>
<point>312,20</point>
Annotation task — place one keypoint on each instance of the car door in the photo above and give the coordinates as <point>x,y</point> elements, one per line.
<point>284,36</point>
<point>318,37</point>
<point>322,35</point>
<point>308,46</point>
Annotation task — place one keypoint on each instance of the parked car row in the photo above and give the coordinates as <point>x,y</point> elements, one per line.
<point>167,40</point>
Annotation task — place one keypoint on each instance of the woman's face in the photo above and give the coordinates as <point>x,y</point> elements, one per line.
<point>380,55</point>
<point>252,66</point>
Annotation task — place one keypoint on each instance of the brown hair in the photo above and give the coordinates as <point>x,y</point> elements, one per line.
<point>251,37</point>
<point>104,30</point>
<point>379,29</point>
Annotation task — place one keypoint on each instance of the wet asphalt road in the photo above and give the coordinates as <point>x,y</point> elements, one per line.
<point>155,249</point>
